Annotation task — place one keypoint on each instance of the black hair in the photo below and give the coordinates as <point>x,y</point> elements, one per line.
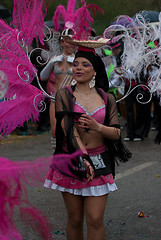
<point>99,67</point>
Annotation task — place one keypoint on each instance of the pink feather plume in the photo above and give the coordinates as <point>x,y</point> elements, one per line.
<point>20,68</point>
<point>22,100</point>
<point>28,17</point>
<point>60,12</point>
<point>8,38</point>
<point>80,20</point>
<point>13,194</point>
<point>22,106</point>
<point>68,164</point>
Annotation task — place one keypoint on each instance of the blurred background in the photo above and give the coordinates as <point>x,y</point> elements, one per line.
<point>112,9</point>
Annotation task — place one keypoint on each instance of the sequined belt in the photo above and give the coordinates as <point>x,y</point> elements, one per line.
<point>96,151</point>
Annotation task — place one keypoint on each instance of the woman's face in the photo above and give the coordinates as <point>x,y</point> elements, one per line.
<point>68,48</point>
<point>83,70</point>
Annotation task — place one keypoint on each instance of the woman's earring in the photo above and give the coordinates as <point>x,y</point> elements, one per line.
<point>73,82</point>
<point>92,82</point>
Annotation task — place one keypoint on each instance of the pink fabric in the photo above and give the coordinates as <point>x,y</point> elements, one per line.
<point>98,114</point>
<point>73,183</point>
<point>51,84</point>
<point>69,182</point>
<point>96,151</point>
<point>86,49</point>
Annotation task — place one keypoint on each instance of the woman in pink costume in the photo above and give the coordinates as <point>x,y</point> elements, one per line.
<point>60,69</point>
<point>78,23</point>
<point>87,122</point>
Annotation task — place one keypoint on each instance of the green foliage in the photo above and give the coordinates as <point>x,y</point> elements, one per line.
<point>115,8</point>
<point>112,9</point>
<point>7,3</point>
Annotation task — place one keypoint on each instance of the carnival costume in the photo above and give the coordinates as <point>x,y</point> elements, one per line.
<point>103,158</point>
<point>52,66</point>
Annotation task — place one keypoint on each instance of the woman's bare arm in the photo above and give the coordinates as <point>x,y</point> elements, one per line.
<point>90,123</point>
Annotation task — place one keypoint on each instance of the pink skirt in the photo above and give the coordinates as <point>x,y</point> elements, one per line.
<point>97,187</point>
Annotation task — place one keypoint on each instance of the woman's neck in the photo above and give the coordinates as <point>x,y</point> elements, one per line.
<point>84,88</point>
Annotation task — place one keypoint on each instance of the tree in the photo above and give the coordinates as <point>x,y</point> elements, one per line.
<point>7,3</point>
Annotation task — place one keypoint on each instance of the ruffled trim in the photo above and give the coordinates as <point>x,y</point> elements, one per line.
<point>89,191</point>
<point>69,182</point>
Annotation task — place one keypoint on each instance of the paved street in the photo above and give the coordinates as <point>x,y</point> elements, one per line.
<point>138,181</point>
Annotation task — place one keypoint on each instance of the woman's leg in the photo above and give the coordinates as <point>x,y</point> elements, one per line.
<point>75,210</point>
<point>94,211</point>
<point>52,118</point>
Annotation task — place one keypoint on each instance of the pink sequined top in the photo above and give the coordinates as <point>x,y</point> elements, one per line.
<point>98,114</point>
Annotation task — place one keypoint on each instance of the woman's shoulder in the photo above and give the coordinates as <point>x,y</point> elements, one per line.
<point>64,91</point>
<point>110,96</point>
<point>107,95</point>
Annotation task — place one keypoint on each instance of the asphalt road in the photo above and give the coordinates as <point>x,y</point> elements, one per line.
<point>139,190</point>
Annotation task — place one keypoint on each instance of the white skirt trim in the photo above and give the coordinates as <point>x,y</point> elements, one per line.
<point>89,191</point>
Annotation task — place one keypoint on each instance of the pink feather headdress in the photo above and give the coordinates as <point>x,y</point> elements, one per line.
<point>79,20</point>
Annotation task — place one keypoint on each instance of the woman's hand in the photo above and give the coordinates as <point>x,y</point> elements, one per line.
<point>57,59</point>
<point>88,123</point>
<point>89,170</point>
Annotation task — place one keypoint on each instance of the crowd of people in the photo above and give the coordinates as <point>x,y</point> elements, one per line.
<point>138,115</point>
<point>140,118</point>
<point>141,113</point>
